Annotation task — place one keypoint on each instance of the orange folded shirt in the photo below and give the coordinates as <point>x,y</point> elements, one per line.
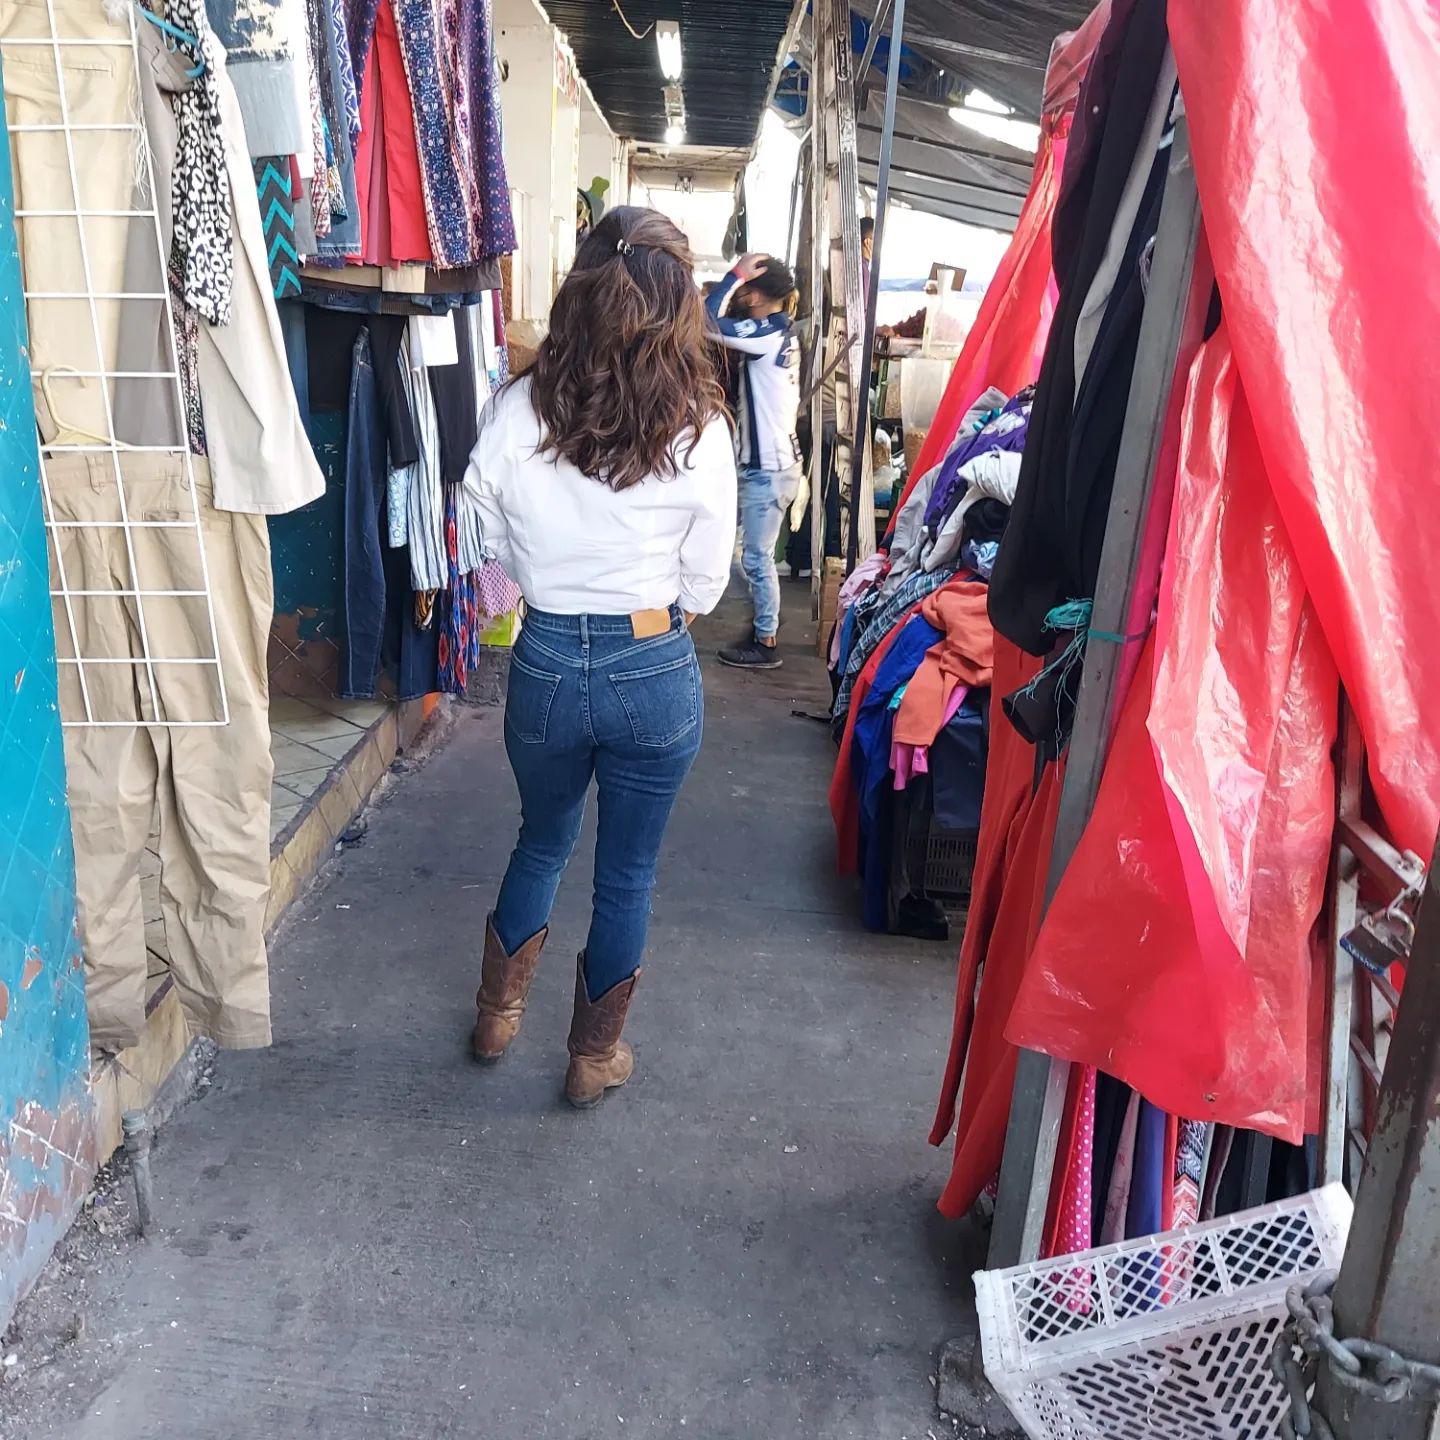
<point>960,610</point>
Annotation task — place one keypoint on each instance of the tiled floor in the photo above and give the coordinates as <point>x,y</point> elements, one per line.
<point>308,738</point>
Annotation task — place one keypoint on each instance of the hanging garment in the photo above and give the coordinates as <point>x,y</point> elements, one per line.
<point>429,567</point>
<point>210,784</point>
<point>98,80</point>
<point>260,458</point>
<point>387,164</point>
<point>457,407</point>
<point>1051,551</point>
<point>1005,344</point>
<point>263,62</point>
<point>364,555</point>
<point>1154,139</point>
<point>495,218</point>
<point>460,637</point>
<point>277,193</point>
<point>337,97</point>
<point>200,198</point>
<point>452,236</point>
<point>1067,1225</point>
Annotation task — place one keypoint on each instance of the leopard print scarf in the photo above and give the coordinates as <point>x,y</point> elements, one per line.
<point>200,187</point>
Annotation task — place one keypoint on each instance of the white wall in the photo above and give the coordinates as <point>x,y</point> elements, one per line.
<point>603,154</point>
<point>526,47</point>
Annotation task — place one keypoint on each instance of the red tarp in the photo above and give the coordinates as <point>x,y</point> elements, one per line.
<point>1305,525</point>
<point>1176,955</point>
<point>1316,135</point>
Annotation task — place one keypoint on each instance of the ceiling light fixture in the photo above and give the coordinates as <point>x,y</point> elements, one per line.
<point>667,41</point>
<point>674,114</point>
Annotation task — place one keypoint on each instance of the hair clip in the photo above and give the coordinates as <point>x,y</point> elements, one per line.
<point>624,247</point>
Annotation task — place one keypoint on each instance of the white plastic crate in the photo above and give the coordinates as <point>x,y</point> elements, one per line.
<point>1168,1336</point>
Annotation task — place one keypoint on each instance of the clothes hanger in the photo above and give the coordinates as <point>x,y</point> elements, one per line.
<point>174,32</point>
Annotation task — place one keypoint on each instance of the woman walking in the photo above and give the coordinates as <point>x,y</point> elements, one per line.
<point>606,478</point>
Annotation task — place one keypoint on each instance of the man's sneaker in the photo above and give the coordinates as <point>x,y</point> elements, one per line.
<point>751,655</point>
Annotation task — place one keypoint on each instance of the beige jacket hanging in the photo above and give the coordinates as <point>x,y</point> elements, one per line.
<point>260,458</point>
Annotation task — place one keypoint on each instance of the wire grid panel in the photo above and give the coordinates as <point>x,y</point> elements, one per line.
<point>1165,1336</point>
<point>130,581</point>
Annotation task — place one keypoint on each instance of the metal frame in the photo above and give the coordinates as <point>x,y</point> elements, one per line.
<point>1386,1290</point>
<point>1170,333</point>
<point>836,240</point>
<point>136,591</point>
<point>861,459</point>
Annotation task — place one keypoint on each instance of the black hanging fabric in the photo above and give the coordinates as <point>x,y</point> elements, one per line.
<point>1051,548</point>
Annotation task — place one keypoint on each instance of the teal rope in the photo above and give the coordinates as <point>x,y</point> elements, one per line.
<point>1074,615</point>
<point>184,36</point>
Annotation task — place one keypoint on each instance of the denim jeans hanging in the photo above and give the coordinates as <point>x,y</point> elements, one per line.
<point>364,554</point>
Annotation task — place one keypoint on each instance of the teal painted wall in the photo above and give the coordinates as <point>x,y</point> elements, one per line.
<point>46,1132</point>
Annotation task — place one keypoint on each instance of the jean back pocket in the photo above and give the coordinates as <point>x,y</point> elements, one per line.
<point>529,701</point>
<point>662,702</point>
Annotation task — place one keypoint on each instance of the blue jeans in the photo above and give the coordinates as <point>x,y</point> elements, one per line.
<point>587,699</point>
<point>364,507</point>
<point>765,495</point>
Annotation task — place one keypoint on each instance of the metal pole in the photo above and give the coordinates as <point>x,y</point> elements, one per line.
<point>819,318</point>
<point>1342,908</point>
<point>797,191</point>
<point>858,456</point>
<point>876,26</point>
<point>1170,332</point>
<point>1387,1291</point>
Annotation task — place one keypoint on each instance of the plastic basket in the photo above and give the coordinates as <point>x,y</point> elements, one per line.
<point>1166,1336</point>
<point>949,865</point>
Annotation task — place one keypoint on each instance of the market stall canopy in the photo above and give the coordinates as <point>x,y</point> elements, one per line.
<point>951,49</point>
<point>998,46</point>
<point>730,51</point>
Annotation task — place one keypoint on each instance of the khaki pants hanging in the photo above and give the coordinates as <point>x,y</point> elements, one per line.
<point>209,784</point>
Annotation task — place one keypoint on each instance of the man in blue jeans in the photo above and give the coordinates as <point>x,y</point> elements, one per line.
<point>761,332</point>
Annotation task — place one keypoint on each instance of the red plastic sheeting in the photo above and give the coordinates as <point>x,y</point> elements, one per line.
<point>1007,340</point>
<point>1176,954</point>
<point>1017,825</point>
<point>1316,135</point>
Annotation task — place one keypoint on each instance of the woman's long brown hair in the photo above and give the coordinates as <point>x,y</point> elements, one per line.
<point>627,371</point>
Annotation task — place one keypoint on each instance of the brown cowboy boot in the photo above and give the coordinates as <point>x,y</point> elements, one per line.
<point>599,1058</point>
<point>504,986</point>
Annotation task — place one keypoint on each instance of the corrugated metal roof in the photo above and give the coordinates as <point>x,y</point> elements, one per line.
<point>998,46</point>
<point>730,46</point>
<point>949,48</point>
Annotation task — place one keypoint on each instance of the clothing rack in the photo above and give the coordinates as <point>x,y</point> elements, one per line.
<point>108,444</point>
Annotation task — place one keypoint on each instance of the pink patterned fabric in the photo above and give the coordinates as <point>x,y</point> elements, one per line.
<point>496,592</point>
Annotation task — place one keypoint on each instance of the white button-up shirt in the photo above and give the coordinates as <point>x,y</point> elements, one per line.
<point>576,547</point>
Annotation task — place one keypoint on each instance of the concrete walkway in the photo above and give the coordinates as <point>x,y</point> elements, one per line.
<point>368,1237</point>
